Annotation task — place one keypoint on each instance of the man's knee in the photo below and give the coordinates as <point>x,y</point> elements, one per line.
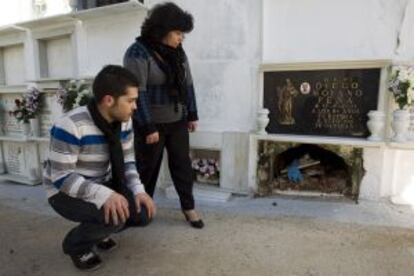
<point>140,219</point>
<point>144,219</point>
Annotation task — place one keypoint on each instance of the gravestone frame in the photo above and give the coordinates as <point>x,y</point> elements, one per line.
<point>323,98</point>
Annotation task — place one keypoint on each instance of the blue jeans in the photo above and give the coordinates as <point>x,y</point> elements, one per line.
<point>92,228</point>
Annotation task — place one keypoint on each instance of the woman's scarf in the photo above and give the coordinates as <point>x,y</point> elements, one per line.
<point>112,134</point>
<point>171,61</point>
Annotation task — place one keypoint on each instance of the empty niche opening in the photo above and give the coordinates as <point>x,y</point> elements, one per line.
<point>302,169</point>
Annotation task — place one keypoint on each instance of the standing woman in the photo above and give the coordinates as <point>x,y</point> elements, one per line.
<point>167,109</point>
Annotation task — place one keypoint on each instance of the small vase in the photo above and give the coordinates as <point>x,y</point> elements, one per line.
<point>262,120</point>
<point>35,127</point>
<point>376,124</point>
<point>74,5</point>
<point>410,135</point>
<point>400,124</point>
<point>26,129</point>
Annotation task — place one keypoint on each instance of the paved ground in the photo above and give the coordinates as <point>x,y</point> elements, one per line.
<point>273,236</point>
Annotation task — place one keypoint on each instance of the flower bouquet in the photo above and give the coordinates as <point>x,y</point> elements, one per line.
<point>73,94</point>
<point>206,170</point>
<point>401,85</point>
<point>28,106</point>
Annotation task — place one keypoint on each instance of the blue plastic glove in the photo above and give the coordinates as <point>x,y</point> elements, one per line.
<point>294,174</point>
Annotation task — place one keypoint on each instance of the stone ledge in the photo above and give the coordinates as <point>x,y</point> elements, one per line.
<point>201,193</point>
<point>20,179</point>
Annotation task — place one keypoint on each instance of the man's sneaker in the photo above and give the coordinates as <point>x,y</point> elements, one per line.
<point>107,245</point>
<point>87,261</point>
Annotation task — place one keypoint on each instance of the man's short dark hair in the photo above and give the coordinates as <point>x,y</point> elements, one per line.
<point>163,18</point>
<point>113,80</point>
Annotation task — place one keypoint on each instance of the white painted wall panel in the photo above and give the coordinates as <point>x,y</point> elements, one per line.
<point>107,40</point>
<point>230,39</point>
<point>14,66</point>
<point>405,50</point>
<point>59,57</point>
<point>224,51</point>
<point>298,30</point>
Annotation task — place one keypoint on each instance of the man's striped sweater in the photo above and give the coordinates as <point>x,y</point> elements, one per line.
<point>78,162</point>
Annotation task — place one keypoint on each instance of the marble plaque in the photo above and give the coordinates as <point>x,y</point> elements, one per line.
<point>10,125</point>
<point>45,123</point>
<point>321,102</point>
<point>46,115</point>
<point>43,151</point>
<point>14,158</point>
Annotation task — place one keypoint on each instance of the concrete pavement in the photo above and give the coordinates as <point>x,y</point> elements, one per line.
<point>244,236</point>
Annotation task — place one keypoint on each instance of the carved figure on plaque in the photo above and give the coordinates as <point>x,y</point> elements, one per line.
<point>286,95</point>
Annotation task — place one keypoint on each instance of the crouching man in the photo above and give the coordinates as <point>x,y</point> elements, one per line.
<point>90,175</point>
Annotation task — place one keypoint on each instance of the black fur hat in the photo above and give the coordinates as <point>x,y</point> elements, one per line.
<point>163,18</point>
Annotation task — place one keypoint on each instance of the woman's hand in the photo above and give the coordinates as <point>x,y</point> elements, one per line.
<point>192,126</point>
<point>152,138</point>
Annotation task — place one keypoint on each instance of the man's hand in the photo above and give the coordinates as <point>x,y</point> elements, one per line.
<point>116,208</point>
<point>192,126</point>
<point>146,200</point>
<point>152,138</point>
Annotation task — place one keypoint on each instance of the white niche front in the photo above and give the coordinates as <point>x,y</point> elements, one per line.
<point>53,43</point>
<point>20,162</point>
<point>12,58</point>
<point>55,57</point>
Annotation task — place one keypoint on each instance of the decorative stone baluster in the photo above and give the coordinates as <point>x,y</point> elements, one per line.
<point>262,120</point>
<point>26,129</point>
<point>376,124</point>
<point>400,124</point>
<point>410,135</point>
<point>35,127</point>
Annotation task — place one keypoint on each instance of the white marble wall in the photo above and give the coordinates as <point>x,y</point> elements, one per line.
<point>319,30</point>
<point>226,46</point>
<point>224,50</point>
<point>334,29</point>
<point>372,184</point>
<point>13,61</point>
<point>59,57</point>
<point>101,42</point>
<point>402,185</point>
<point>14,11</point>
<point>233,37</point>
<point>405,50</point>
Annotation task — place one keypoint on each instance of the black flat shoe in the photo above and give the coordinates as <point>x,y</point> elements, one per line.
<point>194,223</point>
<point>87,261</point>
<point>107,245</point>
